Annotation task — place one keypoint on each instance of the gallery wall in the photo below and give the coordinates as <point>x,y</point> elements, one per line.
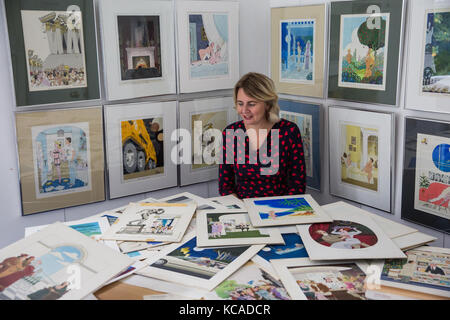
<point>254,56</point>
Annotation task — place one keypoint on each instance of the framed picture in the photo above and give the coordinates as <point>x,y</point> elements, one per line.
<point>298,50</point>
<point>351,235</point>
<point>204,120</point>
<point>53,51</point>
<point>425,191</point>
<point>428,75</point>
<point>314,280</point>
<point>139,146</point>
<point>60,158</point>
<point>365,46</point>
<point>203,204</point>
<point>308,119</point>
<point>198,267</point>
<point>232,227</point>
<point>138,48</point>
<point>208,45</point>
<point>361,144</point>
<point>284,210</point>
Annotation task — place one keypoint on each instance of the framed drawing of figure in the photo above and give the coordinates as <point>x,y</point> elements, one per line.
<point>308,119</point>
<point>60,158</point>
<point>138,47</point>
<point>205,120</point>
<point>139,147</point>
<point>428,72</point>
<point>298,49</point>
<point>361,144</point>
<point>53,51</point>
<point>365,46</point>
<point>426,184</point>
<point>208,45</point>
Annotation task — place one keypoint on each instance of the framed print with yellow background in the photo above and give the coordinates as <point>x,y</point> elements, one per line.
<point>60,158</point>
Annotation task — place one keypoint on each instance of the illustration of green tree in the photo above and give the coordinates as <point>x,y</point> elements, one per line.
<point>424,182</point>
<point>224,289</point>
<point>441,43</point>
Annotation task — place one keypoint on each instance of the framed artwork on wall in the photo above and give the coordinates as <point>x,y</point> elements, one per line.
<point>361,150</point>
<point>139,146</point>
<point>428,71</point>
<point>204,119</point>
<point>308,119</point>
<point>138,48</point>
<point>60,158</point>
<point>426,185</point>
<point>298,50</point>
<point>208,45</point>
<point>53,51</point>
<point>365,46</point>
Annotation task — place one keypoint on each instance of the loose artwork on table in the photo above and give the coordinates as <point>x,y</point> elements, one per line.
<point>198,267</point>
<point>208,45</point>
<point>230,201</point>
<point>203,204</point>
<point>298,49</point>
<point>285,210</point>
<point>360,156</point>
<point>54,59</point>
<point>61,158</point>
<point>139,147</point>
<point>307,117</point>
<point>337,280</point>
<point>41,266</point>
<point>232,227</point>
<point>364,50</point>
<point>139,48</point>
<point>425,195</point>
<point>426,269</point>
<point>351,235</point>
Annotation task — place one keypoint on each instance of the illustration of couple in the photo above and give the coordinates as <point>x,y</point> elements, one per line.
<point>342,237</point>
<point>217,229</point>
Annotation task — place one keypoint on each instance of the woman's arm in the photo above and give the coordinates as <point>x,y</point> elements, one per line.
<point>296,162</point>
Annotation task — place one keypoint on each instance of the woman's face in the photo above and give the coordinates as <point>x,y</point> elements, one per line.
<point>252,111</point>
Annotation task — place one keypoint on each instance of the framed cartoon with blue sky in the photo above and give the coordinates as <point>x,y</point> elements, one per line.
<point>298,49</point>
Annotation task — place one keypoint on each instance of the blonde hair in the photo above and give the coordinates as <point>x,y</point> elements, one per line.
<point>261,88</point>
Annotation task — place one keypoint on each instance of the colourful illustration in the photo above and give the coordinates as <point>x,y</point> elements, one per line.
<point>293,248</point>
<point>151,222</point>
<point>208,38</point>
<point>363,51</point>
<point>331,282</point>
<point>297,50</point>
<point>142,147</point>
<point>432,190</point>
<point>421,268</point>
<point>231,225</point>
<point>359,156</point>
<point>140,47</point>
<point>61,158</point>
<point>276,209</point>
<point>436,61</point>
<point>304,123</point>
<point>54,47</point>
<point>190,260</point>
<point>343,235</point>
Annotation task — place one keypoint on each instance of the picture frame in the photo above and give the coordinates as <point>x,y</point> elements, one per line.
<point>298,275</point>
<point>304,75</point>
<point>427,86</point>
<point>285,210</point>
<point>231,228</point>
<point>208,45</point>
<point>423,192</point>
<point>307,116</point>
<point>202,203</point>
<point>199,161</point>
<point>169,264</point>
<point>53,54</point>
<point>363,173</point>
<point>138,48</point>
<point>139,146</point>
<point>351,235</point>
<point>56,173</point>
<point>379,25</point>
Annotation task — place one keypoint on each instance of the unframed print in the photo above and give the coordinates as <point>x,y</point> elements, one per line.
<point>229,201</point>
<point>202,203</point>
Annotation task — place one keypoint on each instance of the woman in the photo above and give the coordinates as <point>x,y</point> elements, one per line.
<point>259,134</point>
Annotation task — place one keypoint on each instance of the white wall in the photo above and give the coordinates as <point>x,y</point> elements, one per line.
<point>254,56</point>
